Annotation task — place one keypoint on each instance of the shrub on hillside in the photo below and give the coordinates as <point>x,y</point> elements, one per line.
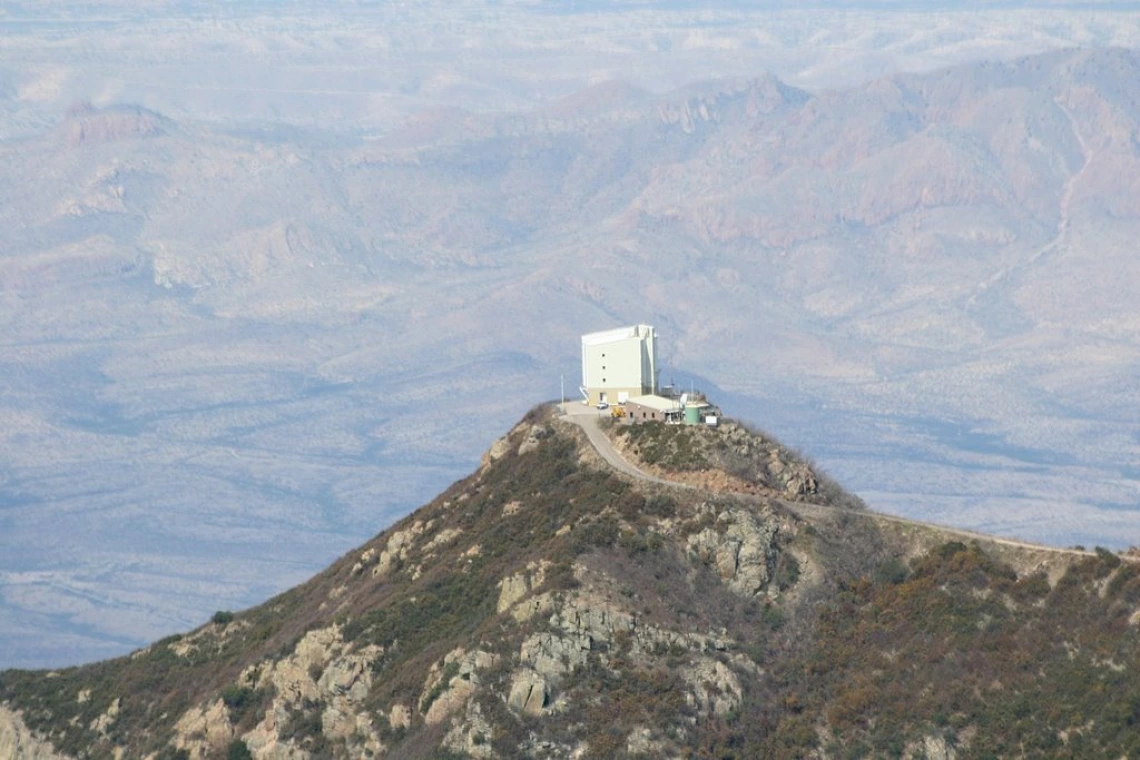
<point>238,751</point>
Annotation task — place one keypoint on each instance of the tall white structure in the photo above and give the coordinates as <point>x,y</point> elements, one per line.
<point>618,364</point>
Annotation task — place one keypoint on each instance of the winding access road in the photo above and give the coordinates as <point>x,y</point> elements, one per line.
<point>587,418</point>
<point>605,448</point>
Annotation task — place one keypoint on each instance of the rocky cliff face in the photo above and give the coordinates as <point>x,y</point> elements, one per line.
<point>17,742</point>
<point>545,608</point>
<point>86,124</point>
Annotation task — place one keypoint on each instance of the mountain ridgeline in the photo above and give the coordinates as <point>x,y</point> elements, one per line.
<point>546,606</point>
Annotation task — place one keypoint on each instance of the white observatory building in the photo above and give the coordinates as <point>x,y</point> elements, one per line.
<point>619,364</point>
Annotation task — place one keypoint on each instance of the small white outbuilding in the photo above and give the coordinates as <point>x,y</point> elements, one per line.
<point>618,364</point>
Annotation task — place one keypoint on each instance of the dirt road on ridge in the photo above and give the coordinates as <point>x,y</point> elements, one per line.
<point>588,421</point>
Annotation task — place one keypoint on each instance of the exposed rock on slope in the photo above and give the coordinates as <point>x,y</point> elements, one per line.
<point>546,608</point>
<point>19,743</point>
<point>753,462</point>
<point>741,546</point>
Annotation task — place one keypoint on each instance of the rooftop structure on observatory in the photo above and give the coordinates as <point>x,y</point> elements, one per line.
<point>619,364</point>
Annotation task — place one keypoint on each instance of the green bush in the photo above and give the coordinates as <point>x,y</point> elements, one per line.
<point>238,751</point>
<point>891,571</point>
<point>659,505</point>
<point>1108,558</point>
<point>1030,588</point>
<point>635,541</point>
<point>239,700</point>
<point>787,571</point>
<point>304,724</point>
<point>673,447</point>
<point>170,753</point>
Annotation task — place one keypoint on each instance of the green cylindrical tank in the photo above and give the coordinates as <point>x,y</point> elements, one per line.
<point>692,415</point>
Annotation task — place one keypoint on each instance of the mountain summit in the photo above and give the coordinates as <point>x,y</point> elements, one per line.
<point>715,597</point>
<point>86,124</point>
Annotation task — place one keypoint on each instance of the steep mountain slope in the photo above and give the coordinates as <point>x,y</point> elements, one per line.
<point>545,607</point>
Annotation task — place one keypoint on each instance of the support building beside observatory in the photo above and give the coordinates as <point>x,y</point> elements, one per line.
<point>620,364</point>
<point>619,372</point>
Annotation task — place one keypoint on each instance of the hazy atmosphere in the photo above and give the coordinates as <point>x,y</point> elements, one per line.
<point>273,274</point>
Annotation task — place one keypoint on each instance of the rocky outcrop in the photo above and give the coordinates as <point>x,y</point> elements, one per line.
<point>764,462</point>
<point>472,735</point>
<point>529,693</point>
<point>726,458</point>
<point>742,548</point>
<point>204,730</point>
<point>87,124</point>
<point>714,688</point>
<point>792,478</point>
<point>104,722</point>
<point>292,677</point>
<point>399,717</point>
<point>539,604</point>
<point>545,658</point>
<point>751,98</point>
<point>642,741</point>
<point>536,435</point>
<point>444,537</point>
<point>498,450</point>
<point>397,548</point>
<point>931,748</point>
<point>367,557</point>
<point>589,623</point>
<point>208,639</point>
<point>451,683</point>
<point>584,620</point>
<point>18,742</point>
<point>344,684</point>
<point>325,673</point>
<point>592,617</point>
<point>513,588</point>
<point>552,655</point>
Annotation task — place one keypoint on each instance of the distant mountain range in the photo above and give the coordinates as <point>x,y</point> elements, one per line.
<point>221,342</point>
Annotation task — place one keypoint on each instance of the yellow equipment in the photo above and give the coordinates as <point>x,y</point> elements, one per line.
<point>617,411</point>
